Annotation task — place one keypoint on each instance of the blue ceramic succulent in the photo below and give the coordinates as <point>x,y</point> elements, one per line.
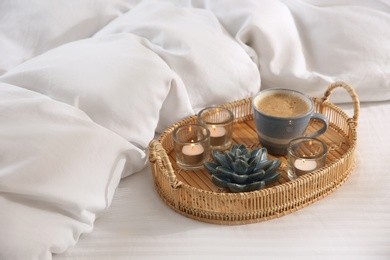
<point>242,170</point>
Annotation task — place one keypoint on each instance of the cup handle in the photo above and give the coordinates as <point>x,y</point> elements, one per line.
<point>322,118</point>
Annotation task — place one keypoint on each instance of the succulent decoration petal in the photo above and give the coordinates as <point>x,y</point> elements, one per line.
<point>242,170</point>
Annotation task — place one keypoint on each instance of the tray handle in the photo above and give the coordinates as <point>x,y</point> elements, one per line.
<point>352,93</point>
<point>156,151</point>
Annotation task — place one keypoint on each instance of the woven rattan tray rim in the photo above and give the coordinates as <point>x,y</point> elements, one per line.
<point>161,163</point>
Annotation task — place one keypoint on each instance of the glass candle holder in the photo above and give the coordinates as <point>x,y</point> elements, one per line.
<point>219,121</point>
<point>192,146</point>
<point>304,155</point>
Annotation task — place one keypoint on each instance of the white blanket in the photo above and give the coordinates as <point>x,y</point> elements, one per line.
<point>85,85</point>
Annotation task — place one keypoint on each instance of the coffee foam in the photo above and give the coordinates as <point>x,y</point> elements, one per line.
<point>282,104</point>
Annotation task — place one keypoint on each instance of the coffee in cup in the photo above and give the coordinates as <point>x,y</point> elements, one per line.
<point>281,115</point>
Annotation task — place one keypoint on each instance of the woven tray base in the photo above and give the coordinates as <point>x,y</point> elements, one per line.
<point>245,133</point>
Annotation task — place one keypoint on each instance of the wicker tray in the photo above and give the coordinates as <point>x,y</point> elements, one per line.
<point>192,194</point>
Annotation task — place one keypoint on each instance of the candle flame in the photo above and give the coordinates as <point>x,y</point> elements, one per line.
<point>192,146</point>
<point>214,127</point>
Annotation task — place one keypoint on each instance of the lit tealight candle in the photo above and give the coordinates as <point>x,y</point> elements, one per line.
<point>217,135</point>
<point>192,154</point>
<point>303,166</point>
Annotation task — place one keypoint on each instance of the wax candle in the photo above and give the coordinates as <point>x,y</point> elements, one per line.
<point>217,135</point>
<point>192,154</point>
<point>219,121</point>
<point>303,166</point>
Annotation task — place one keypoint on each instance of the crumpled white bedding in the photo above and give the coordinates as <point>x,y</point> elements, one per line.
<point>85,85</point>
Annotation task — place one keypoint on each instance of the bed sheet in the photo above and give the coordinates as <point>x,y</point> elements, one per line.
<point>85,85</point>
<point>350,223</point>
